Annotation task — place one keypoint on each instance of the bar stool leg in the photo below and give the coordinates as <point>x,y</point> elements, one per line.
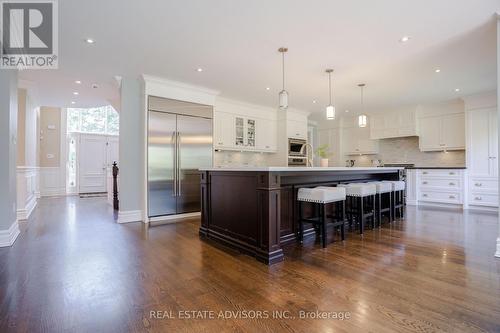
<point>342,227</point>
<point>301,230</point>
<point>361,215</point>
<point>323,225</point>
<point>391,215</point>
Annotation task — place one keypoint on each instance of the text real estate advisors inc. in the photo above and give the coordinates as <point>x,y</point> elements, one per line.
<point>248,314</point>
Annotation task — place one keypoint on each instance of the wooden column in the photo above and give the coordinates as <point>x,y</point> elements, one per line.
<point>269,217</point>
<point>205,203</point>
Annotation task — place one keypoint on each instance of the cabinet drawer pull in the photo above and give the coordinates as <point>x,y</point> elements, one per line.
<point>452,173</point>
<point>478,184</point>
<point>452,184</point>
<point>425,172</point>
<point>452,197</point>
<point>424,195</point>
<point>478,198</point>
<point>425,183</point>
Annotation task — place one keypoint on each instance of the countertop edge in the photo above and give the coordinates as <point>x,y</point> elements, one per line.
<point>438,168</point>
<point>301,169</point>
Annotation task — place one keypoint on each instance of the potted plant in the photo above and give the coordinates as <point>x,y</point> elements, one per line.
<point>322,152</point>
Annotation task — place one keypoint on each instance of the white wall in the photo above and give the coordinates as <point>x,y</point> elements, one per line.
<point>131,148</point>
<point>9,229</point>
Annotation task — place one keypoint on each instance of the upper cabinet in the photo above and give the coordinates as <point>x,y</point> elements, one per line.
<point>357,141</point>
<point>443,132</point>
<point>244,132</point>
<point>393,124</point>
<point>244,127</point>
<point>224,137</point>
<point>267,138</point>
<point>297,129</point>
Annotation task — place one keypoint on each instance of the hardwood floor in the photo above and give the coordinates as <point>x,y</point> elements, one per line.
<point>73,269</point>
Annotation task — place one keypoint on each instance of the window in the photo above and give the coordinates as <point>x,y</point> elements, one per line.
<point>101,120</point>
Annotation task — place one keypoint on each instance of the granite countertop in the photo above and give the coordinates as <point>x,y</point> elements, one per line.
<point>276,169</point>
<point>439,167</point>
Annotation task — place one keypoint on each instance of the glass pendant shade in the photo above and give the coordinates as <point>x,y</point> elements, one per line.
<point>330,112</point>
<point>283,97</point>
<point>362,120</point>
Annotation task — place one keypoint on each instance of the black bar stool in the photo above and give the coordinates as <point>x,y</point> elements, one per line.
<point>383,204</point>
<point>398,197</point>
<point>360,204</point>
<point>321,196</point>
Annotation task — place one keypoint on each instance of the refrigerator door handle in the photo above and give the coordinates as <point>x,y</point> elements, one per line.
<point>174,139</point>
<point>179,192</point>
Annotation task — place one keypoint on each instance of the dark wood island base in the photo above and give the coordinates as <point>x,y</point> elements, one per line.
<point>253,210</point>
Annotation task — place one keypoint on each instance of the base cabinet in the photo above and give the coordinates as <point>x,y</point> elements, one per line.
<point>436,187</point>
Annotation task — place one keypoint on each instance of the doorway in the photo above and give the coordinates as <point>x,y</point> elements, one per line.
<point>92,148</point>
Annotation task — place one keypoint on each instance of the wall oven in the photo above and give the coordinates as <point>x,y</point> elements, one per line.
<point>296,147</point>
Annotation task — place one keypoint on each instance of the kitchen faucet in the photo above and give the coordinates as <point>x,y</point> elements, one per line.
<point>307,149</point>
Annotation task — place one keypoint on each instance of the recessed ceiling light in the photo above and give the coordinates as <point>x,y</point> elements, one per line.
<point>75,93</point>
<point>314,102</point>
<point>267,88</point>
<point>89,41</point>
<point>404,39</point>
<point>78,82</point>
<point>199,69</point>
<point>347,111</point>
<point>437,70</point>
<point>457,89</point>
<point>73,102</point>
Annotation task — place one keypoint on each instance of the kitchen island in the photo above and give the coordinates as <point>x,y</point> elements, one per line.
<point>253,209</point>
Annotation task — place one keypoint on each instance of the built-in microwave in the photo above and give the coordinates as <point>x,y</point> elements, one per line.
<point>296,147</point>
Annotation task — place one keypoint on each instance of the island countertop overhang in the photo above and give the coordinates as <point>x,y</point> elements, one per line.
<point>300,169</point>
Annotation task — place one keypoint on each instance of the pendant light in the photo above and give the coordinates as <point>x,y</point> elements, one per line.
<point>362,118</point>
<point>330,109</point>
<point>283,95</point>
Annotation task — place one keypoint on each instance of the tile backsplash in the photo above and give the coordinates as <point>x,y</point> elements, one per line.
<point>239,159</point>
<point>405,150</point>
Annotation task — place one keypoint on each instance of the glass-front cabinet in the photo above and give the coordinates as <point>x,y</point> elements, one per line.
<point>244,132</point>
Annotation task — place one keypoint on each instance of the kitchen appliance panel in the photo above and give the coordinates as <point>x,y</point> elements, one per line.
<point>194,147</point>
<point>161,163</point>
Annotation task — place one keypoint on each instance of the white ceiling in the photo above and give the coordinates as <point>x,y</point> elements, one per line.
<point>236,43</point>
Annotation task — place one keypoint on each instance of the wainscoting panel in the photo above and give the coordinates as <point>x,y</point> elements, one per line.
<point>27,188</point>
<point>52,181</point>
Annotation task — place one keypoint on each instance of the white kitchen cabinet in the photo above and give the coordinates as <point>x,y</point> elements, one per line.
<point>244,132</point>
<point>223,130</point>
<point>297,129</point>
<point>436,187</point>
<point>393,125</point>
<point>236,132</point>
<point>357,141</point>
<point>482,157</point>
<point>444,132</point>
<point>267,136</point>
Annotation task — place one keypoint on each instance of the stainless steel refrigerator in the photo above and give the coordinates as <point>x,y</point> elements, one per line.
<point>178,144</point>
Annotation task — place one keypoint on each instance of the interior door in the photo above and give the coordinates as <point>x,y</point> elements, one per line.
<point>112,151</point>
<point>161,163</point>
<point>92,163</point>
<point>194,151</point>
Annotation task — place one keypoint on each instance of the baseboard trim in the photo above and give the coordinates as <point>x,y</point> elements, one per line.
<point>497,254</point>
<point>24,213</point>
<point>8,237</point>
<point>169,219</point>
<point>129,216</point>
